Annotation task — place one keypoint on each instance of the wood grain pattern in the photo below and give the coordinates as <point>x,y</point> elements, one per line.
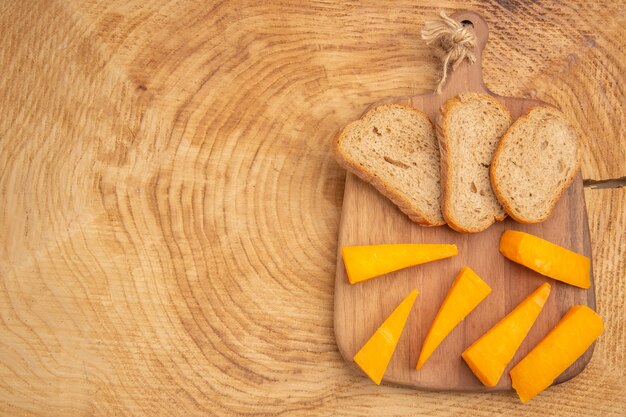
<point>370,218</point>
<point>169,205</point>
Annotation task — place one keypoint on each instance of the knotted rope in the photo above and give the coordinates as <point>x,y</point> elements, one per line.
<point>453,43</point>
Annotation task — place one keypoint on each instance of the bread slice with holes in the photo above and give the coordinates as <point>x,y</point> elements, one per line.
<point>535,162</point>
<point>469,128</point>
<point>394,148</point>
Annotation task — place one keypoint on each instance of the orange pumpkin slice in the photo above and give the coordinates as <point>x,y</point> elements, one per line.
<point>365,262</point>
<point>467,291</point>
<point>488,356</point>
<point>546,258</point>
<point>569,339</point>
<point>374,356</point>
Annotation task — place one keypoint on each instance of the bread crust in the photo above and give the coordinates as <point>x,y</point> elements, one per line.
<point>370,177</point>
<point>440,129</point>
<point>499,192</point>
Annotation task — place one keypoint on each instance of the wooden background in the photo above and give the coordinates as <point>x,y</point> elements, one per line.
<point>169,203</point>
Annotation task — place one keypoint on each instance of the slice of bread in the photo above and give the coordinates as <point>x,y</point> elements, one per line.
<point>468,129</point>
<point>394,148</point>
<point>535,162</point>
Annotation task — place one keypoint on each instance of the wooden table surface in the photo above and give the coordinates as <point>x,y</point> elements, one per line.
<point>169,203</point>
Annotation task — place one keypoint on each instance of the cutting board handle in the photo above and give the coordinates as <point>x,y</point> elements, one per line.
<point>466,74</point>
<point>481,29</point>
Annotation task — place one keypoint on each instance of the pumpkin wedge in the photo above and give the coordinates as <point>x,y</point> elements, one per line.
<point>376,353</point>
<point>365,262</point>
<point>546,258</point>
<point>467,291</point>
<point>488,356</point>
<point>569,339</point>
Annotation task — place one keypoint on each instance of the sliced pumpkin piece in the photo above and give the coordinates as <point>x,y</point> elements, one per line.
<point>467,291</point>
<point>546,258</point>
<point>569,339</point>
<point>365,262</point>
<point>376,353</point>
<point>488,356</point>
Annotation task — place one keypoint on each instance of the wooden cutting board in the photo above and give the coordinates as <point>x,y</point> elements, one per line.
<point>369,218</point>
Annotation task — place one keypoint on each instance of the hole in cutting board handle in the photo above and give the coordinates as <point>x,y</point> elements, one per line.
<point>467,23</point>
